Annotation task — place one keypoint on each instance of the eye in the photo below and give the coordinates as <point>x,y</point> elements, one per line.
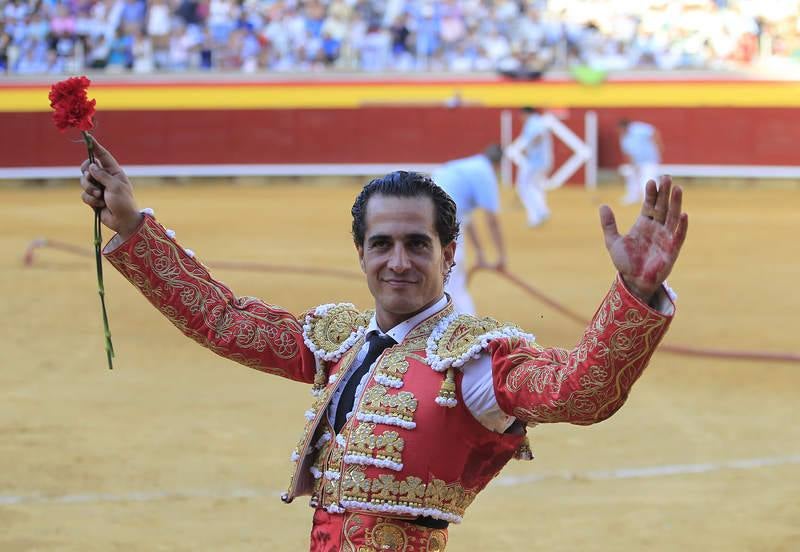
<point>419,245</point>
<point>379,244</point>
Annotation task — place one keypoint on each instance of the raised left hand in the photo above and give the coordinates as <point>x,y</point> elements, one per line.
<point>645,256</point>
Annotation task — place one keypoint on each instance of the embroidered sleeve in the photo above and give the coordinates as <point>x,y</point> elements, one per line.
<point>243,329</point>
<point>589,383</point>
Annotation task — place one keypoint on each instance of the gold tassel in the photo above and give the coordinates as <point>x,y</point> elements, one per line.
<point>524,451</point>
<point>320,379</point>
<point>447,392</point>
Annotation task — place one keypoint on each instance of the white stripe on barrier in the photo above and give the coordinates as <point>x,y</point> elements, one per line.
<point>502,481</point>
<point>365,169</point>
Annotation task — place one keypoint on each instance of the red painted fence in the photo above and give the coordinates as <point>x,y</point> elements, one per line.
<point>742,136</point>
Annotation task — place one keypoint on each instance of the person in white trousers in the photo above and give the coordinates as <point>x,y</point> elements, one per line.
<point>641,147</point>
<point>532,153</point>
<point>472,183</point>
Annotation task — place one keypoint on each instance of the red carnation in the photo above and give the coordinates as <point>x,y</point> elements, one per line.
<point>73,109</point>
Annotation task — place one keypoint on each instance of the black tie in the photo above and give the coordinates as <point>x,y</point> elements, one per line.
<point>377,344</point>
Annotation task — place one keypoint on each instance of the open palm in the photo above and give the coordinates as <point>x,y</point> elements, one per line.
<point>645,256</point>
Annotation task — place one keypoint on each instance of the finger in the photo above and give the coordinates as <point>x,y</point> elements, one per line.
<point>105,158</point>
<point>680,232</point>
<point>609,225</point>
<point>674,211</point>
<point>102,176</point>
<point>662,201</point>
<point>93,201</point>
<point>90,187</point>
<point>85,166</point>
<point>650,195</point>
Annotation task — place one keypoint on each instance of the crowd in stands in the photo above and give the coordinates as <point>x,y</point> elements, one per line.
<point>70,36</point>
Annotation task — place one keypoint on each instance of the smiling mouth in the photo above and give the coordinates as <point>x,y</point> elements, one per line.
<point>399,282</point>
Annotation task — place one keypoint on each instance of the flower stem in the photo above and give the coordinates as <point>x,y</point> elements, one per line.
<point>98,239</point>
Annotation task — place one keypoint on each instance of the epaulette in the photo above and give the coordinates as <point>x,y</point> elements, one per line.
<point>330,330</point>
<point>459,338</point>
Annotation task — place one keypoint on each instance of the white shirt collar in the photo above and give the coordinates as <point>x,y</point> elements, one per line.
<point>399,332</point>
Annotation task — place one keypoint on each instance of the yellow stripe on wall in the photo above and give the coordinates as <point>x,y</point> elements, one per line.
<point>249,96</point>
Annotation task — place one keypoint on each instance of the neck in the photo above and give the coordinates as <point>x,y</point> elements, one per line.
<point>387,320</point>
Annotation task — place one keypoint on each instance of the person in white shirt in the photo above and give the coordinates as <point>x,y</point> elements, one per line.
<point>641,147</point>
<point>532,153</point>
<point>472,183</point>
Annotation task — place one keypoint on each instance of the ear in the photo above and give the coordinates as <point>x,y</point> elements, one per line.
<point>360,250</point>
<point>448,255</point>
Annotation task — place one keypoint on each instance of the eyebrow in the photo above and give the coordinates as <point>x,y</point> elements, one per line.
<point>412,236</point>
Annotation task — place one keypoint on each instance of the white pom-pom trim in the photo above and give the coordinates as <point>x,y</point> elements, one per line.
<point>309,415</point>
<point>315,472</point>
<point>148,211</point>
<point>386,420</point>
<point>332,475</point>
<point>323,439</point>
<point>389,381</point>
<point>334,509</point>
<point>449,403</point>
<point>340,440</point>
<point>400,509</point>
<point>170,233</point>
<point>370,461</point>
<point>295,456</point>
<point>189,252</point>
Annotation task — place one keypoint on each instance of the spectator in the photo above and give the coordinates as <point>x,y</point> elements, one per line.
<point>158,23</point>
<point>470,35</point>
<point>120,56</point>
<point>97,57</point>
<point>142,53</point>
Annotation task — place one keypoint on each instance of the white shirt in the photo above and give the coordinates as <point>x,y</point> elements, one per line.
<point>477,386</point>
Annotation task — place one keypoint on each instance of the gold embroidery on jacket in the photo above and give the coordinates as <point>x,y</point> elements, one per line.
<point>389,535</point>
<point>379,402</point>
<point>544,371</point>
<point>461,335</point>
<point>333,328</point>
<point>387,445</point>
<point>245,321</point>
<point>394,364</point>
<point>412,491</point>
<point>320,404</point>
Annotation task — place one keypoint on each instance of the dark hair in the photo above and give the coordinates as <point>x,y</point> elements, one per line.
<point>407,184</point>
<point>529,110</point>
<point>494,152</point>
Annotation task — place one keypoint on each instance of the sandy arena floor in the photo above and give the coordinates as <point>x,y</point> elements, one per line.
<point>177,449</point>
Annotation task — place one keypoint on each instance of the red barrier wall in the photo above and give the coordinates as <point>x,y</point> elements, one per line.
<point>744,136</point>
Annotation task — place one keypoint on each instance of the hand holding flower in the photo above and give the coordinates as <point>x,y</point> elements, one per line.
<point>106,187</point>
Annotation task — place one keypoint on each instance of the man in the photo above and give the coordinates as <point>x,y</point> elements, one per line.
<point>532,153</point>
<point>641,147</point>
<point>417,408</point>
<point>472,183</point>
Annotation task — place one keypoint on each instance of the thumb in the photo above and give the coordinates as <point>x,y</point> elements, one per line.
<point>609,225</point>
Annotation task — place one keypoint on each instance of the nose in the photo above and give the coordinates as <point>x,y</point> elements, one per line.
<point>399,261</point>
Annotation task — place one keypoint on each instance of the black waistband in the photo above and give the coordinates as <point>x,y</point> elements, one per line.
<point>431,523</point>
